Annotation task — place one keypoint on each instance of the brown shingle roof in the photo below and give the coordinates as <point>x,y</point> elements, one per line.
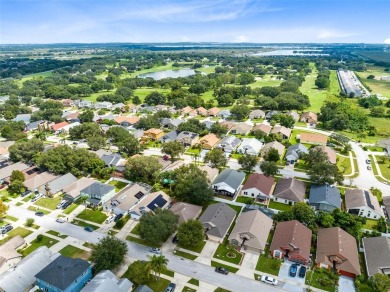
<point>313,138</point>
<point>186,211</point>
<point>334,244</point>
<point>260,182</point>
<point>39,180</point>
<point>214,111</point>
<point>310,117</point>
<point>209,139</point>
<point>332,157</point>
<point>130,120</point>
<point>274,144</point>
<point>262,127</point>
<point>357,198</point>
<point>282,130</point>
<point>290,189</point>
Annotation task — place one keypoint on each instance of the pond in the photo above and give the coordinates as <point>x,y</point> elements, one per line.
<point>168,74</point>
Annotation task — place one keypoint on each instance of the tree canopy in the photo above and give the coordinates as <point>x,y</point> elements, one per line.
<point>108,254</point>
<point>142,169</point>
<point>190,233</point>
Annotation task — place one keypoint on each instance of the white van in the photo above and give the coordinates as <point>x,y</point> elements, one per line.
<point>110,218</point>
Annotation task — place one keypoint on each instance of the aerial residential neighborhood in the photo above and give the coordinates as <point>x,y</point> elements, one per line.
<point>183,146</point>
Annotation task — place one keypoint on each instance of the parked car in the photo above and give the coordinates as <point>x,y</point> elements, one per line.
<point>37,197</point>
<point>269,280</point>
<point>66,205</point>
<point>330,144</point>
<point>25,193</point>
<point>302,272</point>
<point>118,217</point>
<point>110,218</point>
<point>88,228</point>
<point>368,161</point>
<point>293,270</point>
<point>60,220</point>
<point>368,167</point>
<point>222,270</point>
<point>155,250</point>
<point>6,228</point>
<point>165,157</point>
<point>171,287</point>
<point>60,204</point>
<point>175,240</point>
<point>39,213</point>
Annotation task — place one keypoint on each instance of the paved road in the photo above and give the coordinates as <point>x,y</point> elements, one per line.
<point>186,267</point>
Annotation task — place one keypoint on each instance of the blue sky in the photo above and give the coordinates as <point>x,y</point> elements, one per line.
<point>261,21</point>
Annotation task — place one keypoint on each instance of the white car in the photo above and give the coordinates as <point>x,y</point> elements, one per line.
<point>110,218</point>
<point>155,250</point>
<point>60,220</point>
<point>269,280</point>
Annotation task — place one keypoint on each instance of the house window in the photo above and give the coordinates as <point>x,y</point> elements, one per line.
<point>374,217</point>
<point>245,193</point>
<point>253,194</point>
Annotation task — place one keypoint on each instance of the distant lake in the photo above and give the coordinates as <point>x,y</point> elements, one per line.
<point>168,74</point>
<point>295,52</point>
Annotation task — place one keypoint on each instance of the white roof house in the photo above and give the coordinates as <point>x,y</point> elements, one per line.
<point>250,146</point>
<point>106,281</point>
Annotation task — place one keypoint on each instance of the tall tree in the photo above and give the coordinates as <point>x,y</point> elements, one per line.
<point>109,253</point>
<point>272,154</point>
<point>190,233</point>
<point>216,157</point>
<point>173,149</point>
<point>86,116</point>
<point>158,264</point>
<point>137,273</point>
<point>26,151</point>
<point>142,169</point>
<point>269,168</point>
<point>247,162</point>
<point>3,209</point>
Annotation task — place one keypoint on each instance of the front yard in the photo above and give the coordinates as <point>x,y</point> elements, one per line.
<point>49,203</point>
<point>84,224</point>
<point>73,252</point>
<point>344,165</point>
<point>228,253</point>
<point>92,215</point>
<point>230,268</point>
<point>197,248</point>
<point>322,279</point>
<point>46,241</point>
<point>268,265</point>
<point>14,232</point>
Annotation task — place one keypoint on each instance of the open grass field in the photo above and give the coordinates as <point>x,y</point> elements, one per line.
<point>377,86</point>
<point>94,96</point>
<point>266,80</point>
<point>316,96</point>
<point>32,76</point>
<point>144,91</point>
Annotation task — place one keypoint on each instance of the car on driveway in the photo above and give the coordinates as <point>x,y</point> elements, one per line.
<point>302,272</point>
<point>293,270</point>
<point>66,205</point>
<point>155,250</point>
<point>222,270</point>
<point>60,220</point>
<point>37,197</point>
<point>269,280</point>
<point>4,229</point>
<point>25,193</point>
<point>110,218</point>
<point>171,287</point>
<point>40,214</point>
<point>88,228</point>
<point>175,240</point>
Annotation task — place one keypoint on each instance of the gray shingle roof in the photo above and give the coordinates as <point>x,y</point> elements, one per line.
<point>377,254</point>
<point>106,281</point>
<point>59,184</point>
<point>171,136</point>
<point>217,218</point>
<point>63,271</point>
<point>231,177</point>
<point>325,194</point>
<point>290,189</point>
<point>97,189</point>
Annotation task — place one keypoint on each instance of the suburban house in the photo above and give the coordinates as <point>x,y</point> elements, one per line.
<point>324,198</point>
<point>103,105</point>
<point>67,102</point>
<point>208,124</point>
<point>224,114</point>
<point>186,211</point>
<point>362,203</point>
<point>114,160</point>
<point>209,141</point>
<point>106,281</point>
<point>330,152</point>
<point>39,180</point>
<point>150,203</point>
<point>285,132</point>
<point>64,274</point>
<point>241,129</point>
<point>386,204</point>
<point>269,114</point>
<point>227,124</point>
<point>98,193</point>
<point>337,249</point>
<point>295,151</point>
<point>6,171</point>
<point>72,191</point>
<point>193,113</point>
<point>187,138</point>
<point>120,106</point>
<point>9,255</point>
<point>23,117</point>
<point>312,138</point>
<point>292,239</point>
<point>250,146</point>
<point>213,111</point>
<point>251,231</point>
<point>309,117</point>
<point>377,255</point>
<point>169,137</point>
<point>153,134</point>
<point>56,128</point>
<point>126,121</point>
<point>228,182</point>
<point>217,219</point>
<point>72,117</point>
<point>57,185</point>
<point>258,186</point>
<point>294,115</point>
<point>186,110</point>
<point>127,198</point>
<point>34,125</point>
<point>266,129</point>
<point>22,276</point>
<point>211,173</point>
<point>274,144</point>
<point>4,146</point>
<point>202,111</point>
<point>289,191</point>
<point>229,144</point>
<point>171,123</point>
<point>257,114</point>
<point>83,103</point>
<point>143,288</point>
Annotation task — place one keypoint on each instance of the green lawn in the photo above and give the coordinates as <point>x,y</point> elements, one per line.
<point>93,216</point>
<point>14,232</point>
<point>46,241</point>
<point>316,96</point>
<point>384,167</point>
<point>268,265</point>
<point>55,233</point>
<point>198,248</point>
<point>70,209</point>
<point>185,255</point>
<point>140,241</point>
<point>135,230</point>
<point>266,80</point>
<point>37,209</point>
<point>73,252</point>
<point>117,184</point>
<point>84,224</point>
<point>344,165</point>
<point>245,200</point>
<point>231,256</point>
<point>317,277</point>
<point>32,76</point>
<point>144,91</point>
<point>377,86</point>
<point>27,198</point>
<point>188,289</point>
<point>11,218</point>
<point>194,282</point>
<point>19,204</point>
<point>89,245</point>
<point>279,206</point>
<point>49,203</point>
<point>370,224</point>
<point>231,269</point>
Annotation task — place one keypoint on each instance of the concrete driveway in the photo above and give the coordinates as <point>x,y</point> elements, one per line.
<point>284,273</point>
<point>250,260</point>
<point>346,284</point>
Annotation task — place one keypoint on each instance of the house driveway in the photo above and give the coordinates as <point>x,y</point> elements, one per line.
<point>250,260</point>
<point>209,249</point>
<point>284,273</point>
<point>346,284</point>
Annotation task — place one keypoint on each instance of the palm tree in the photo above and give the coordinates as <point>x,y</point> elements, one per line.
<point>157,264</point>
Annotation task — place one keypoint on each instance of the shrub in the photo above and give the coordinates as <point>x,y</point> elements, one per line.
<point>39,237</point>
<point>119,224</point>
<point>30,222</point>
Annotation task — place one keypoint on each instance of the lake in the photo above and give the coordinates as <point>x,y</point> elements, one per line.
<point>294,52</point>
<point>168,74</point>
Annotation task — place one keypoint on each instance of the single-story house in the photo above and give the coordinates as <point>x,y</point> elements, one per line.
<point>377,255</point>
<point>126,121</point>
<point>241,129</point>
<point>169,137</point>
<point>202,111</point>
<point>56,128</point>
<point>187,138</point>
<point>292,239</point>
<point>330,152</point>
<point>171,123</point>
<point>227,124</point>
<point>251,231</point>
<point>312,138</point>
<point>229,144</point>
<point>256,114</point>
<point>250,146</point>
<point>72,191</point>
<point>217,219</point>
<point>295,151</point>
<point>67,102</point>
<point>80,103</point>
<point>151,202</point>
<point>324,198</point>
<point>208,124</point>
<point>258,186</point>
<point>186,211</point>
<point>224,114</point>
<point>362,203</point>
<point>337,249</point>
<point>266,129</point>
<point>285,132</point>
<point>274,144</point>
<point>153,134</point>
<point>127,198</point>
<point>309,117</point>
<point>9,255</point>
<point>289,191</point>
<point>23,117</point>
<point>5,172</point>
<point>57,185</point>
<point>64,274</point>
<point>228,182</point>
<point>98,193</point>
<point>386,204</point>
<point>115,160</point>
<point>39,180</point>
<point>103,105</point>
<point>213,111</point>
<point>72,117</point>
<point>211,173</point>
<point>106,281</point>
<point>143,288</point>
<point>186,110</point>
<point>209,141</point>
<point>34,125</point>
<point>269,114</point>
<point>294,115</point>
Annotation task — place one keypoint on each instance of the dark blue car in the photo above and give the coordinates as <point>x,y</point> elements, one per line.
<point>293,270</point>
<point>88,228</point>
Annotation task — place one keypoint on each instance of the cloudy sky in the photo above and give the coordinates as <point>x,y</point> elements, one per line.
<point>261,21</point>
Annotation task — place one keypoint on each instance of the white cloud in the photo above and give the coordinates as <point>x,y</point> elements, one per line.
<point>240,39</point>
<point>387,41</point>
<point>334,34</point>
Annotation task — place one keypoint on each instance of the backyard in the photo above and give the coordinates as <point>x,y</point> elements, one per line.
<point>279,206</point>
<point>117,184</point>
